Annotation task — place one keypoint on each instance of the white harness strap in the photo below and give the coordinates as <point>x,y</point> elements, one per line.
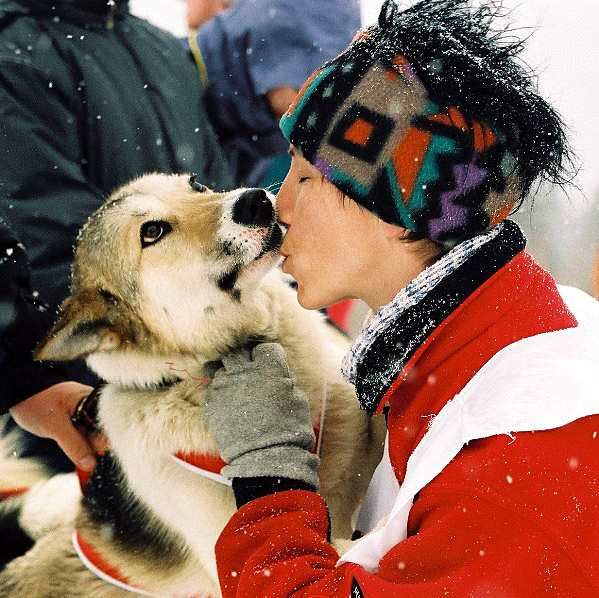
<point>520,389</point>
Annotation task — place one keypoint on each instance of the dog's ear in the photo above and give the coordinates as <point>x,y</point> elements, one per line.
<point>87,324</point>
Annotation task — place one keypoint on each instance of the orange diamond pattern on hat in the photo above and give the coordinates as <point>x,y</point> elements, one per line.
<point>359,132</point>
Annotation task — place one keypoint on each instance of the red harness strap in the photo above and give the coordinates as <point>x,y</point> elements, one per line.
<point>12,492</point>
<point>109,573</point>
<point>210,466</point>
<point>92,557</point>
<point>204,461</point>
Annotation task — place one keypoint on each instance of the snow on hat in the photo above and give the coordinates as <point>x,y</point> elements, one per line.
<point>369,123</point>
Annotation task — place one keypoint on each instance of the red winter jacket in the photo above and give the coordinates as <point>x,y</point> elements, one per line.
<point>506,518</point>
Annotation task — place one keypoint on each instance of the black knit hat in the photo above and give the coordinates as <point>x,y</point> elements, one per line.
<point>427,121</point>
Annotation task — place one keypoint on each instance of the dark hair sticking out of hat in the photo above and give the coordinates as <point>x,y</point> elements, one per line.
<point>428,120</point>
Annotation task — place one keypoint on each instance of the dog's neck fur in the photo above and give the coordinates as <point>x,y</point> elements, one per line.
<point>135,367</point>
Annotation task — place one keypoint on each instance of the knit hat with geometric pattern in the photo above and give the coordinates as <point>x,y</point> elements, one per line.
<point>394,133</point>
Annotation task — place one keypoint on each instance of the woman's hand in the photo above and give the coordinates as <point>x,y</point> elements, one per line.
<point>258,417</point>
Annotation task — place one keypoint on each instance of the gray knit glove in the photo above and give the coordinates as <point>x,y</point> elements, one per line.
<point>259,419</point>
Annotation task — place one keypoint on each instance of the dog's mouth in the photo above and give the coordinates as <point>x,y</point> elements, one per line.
<point>272,239</point>
<point>249,240</point>
<point>272,242</point>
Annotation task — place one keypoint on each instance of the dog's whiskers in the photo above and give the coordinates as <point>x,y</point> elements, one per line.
<point>273,187</point>
<point>172,368</point>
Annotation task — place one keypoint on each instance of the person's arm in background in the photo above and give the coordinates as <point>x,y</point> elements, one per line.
<point>40,163</point>
<point>35,393</point>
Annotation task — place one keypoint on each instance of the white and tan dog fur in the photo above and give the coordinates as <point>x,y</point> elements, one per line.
<point>168,276</point>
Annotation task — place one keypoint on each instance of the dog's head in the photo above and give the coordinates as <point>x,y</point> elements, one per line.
<point>162,256</point>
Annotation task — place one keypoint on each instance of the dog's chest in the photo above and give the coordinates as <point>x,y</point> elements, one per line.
<point>145,430</point>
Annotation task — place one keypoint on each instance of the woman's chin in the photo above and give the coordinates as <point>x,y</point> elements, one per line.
<point>309,300</point>
<point>304,298</point>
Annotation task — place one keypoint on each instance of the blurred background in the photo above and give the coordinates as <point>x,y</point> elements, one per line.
<point>563,49</point>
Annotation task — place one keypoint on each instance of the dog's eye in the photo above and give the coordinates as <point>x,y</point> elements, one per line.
<point>195,185</point>
<point>153,231</point>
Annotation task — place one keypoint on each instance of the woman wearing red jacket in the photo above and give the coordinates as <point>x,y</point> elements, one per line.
<point>409,150</point>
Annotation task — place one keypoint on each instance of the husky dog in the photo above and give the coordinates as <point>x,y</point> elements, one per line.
<point>168,276</point>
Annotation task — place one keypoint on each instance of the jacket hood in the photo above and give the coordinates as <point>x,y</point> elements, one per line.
<point>92,12</point>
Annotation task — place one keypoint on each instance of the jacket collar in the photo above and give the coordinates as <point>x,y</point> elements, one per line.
<point>384,349</point>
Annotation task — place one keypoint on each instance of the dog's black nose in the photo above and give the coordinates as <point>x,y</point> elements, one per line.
<point>253,208</point>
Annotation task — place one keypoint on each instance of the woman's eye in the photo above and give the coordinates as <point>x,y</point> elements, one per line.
<point>153,231</point>
<point>303,179</point>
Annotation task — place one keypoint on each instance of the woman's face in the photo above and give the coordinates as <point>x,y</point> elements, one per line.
<point>332,246</point>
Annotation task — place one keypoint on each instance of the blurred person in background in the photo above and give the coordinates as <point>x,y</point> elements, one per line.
<point>256,55</point>
<point>24,319</point>
<point>90,98</point>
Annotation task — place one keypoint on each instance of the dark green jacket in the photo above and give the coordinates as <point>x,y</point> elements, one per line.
<point>23,320</point>
<point>90,97</point>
